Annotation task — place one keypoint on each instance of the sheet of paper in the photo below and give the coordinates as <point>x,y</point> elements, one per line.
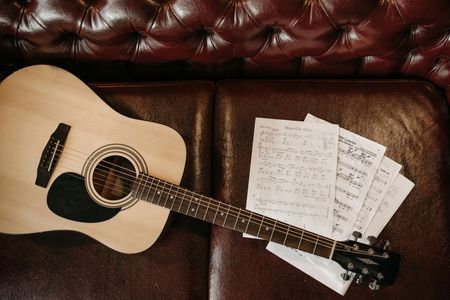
<point>358,161</point>
<point>293,173</point>
<point>384,177</point>
<point>329,276</point>
<point>395,196</point>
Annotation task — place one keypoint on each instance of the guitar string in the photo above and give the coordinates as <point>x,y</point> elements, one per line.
<point>305,238</point>
<point>211,206</point>
<point>267,223</point>
<point>239,212</point>
<point>132,181</point>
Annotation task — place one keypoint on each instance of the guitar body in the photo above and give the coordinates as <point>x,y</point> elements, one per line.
<point>33,102</point>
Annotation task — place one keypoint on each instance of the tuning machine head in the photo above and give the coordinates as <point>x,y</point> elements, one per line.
<point>356,235</point>
<point>386,245</point>
<point>371,240</point>
<point>374,286</point>
<point>360,279</point>
<point>346,276</point>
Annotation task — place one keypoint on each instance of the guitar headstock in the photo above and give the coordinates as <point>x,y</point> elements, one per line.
<point>372,262</point>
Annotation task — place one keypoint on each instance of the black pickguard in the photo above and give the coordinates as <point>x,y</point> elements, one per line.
<point>68,198</point>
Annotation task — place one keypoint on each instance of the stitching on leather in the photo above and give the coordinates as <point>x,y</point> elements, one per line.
<point>156,15</point>
<point>372,15</point>
<point>263,48</point>
<point>16,33</point>
<point>436,66</point>
<point>326,14</point>
<point>251,16</point>
<point>399,13</point>
<point>277,40</point>
<point>74,48</point>
<point>200,47</point>
<point>447,41</point>
<point>39,23</point>
<point>231,5</point>
<point>82,19</point>
<point>347,42</point>
<point>136,49</point>
<point>103,19</point>
<point>299,15</point>
<point>177,17</point>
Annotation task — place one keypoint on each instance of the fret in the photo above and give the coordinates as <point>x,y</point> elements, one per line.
<point>332,250</point>
<point>226,215</point>
<point>248,222</point>
<point>135,188</point>
<point>168,195</point>
<point>198,204</point>
<point>181,200</point>
<point>237,219</point>
<point>207,207</point>
<point>287,234</point>
<point>301,240</point>
<point>160,192</point>
<point>153,189</point>
<point>273,230</point>
<point>143,189</point>
<point>189,206</point>
<point>174,198</point>
<point>315,246</point>
<point>260,225</point>
<point>148,187</point>
<point>215,215</point>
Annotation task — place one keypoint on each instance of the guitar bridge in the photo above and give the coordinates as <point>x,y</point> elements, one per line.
<point>51,154</point>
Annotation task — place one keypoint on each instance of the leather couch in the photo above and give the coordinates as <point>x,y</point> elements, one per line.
<point>207,68</point>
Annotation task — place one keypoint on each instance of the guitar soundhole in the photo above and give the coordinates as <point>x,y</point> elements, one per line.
<point>113,177</point>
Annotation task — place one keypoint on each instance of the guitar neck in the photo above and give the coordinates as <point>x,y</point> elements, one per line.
<point>178,199</point>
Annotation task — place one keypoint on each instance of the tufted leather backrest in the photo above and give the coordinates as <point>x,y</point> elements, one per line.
<point>173,39</point>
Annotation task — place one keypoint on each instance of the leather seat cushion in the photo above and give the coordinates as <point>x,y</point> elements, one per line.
<point>409,117</point>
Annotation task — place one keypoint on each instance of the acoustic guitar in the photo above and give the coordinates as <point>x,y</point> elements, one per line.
<point>70,162</point>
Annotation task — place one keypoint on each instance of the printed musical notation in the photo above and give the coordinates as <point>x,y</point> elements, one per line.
<point>358,161</point>
<point>384,177</point>
<point>292,173</point>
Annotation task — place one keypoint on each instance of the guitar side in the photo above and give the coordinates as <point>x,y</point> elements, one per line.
<point>33,101</point>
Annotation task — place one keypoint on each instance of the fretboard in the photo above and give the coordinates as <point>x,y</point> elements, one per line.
<point>176,198</point>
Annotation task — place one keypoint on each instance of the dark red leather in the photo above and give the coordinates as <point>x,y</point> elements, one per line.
<point>409,117</point>
<point>171,39</point>
<point>67,265</point>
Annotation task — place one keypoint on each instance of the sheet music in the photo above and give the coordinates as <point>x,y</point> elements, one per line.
<point>292,172</point>
<point>395,196</point>
<point>363,176</point>
<point>358,161</point>
<point>385,175</point>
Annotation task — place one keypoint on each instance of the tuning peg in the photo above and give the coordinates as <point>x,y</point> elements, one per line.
<point>386,245</point>
<point>356,235</point>
<point>359,279</point>
<point>345,276</point>
<point>374,286</point>
<point>371,239</point>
